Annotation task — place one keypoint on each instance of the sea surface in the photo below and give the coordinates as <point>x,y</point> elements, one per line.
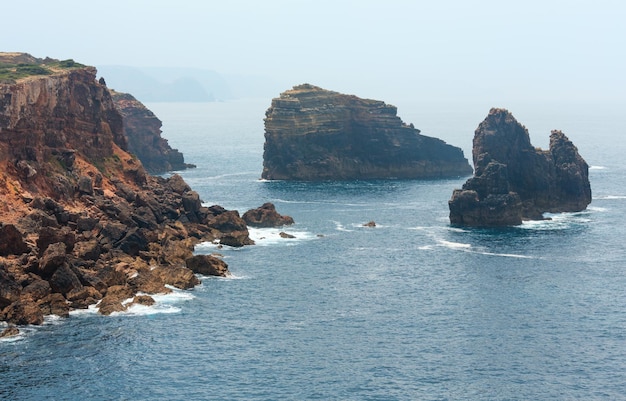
<point>412,309</point>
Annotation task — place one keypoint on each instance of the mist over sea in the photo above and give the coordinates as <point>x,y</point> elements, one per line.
<point>412,309</point>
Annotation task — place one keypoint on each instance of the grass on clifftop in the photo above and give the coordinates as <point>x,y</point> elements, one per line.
<point>9,73</point>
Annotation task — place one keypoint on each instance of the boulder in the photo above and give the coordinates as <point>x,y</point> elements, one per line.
<point>114,298</point>
<point>23,312</point>
<point>54,256</point>
<point>266,216</point>
<point>514,181</point>
<point>208,265</point>
<point>232,229</point>
<point>64,280</point>
<point>177,276</point>
<point>54,304</point>
<point>10,332</point>
<point>145,300</point>
<point>315,134</point>
<point>10,290</point>
<point>11,241</point>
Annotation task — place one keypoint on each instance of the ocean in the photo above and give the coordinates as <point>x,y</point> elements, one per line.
<point>412,309</point>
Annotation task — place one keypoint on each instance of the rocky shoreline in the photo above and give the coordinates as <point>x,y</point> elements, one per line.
<point>83,223</point>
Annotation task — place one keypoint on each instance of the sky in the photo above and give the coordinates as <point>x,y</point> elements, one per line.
<point>445,50</point>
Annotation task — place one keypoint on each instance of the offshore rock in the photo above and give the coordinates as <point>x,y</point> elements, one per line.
<point>266,216</point>
<point>316,134</point>
<point>143,130</point>
<point>514,181</point>
<point>208,265</point>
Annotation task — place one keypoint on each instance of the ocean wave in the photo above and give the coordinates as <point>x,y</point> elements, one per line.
<point>610,197</point>
<point>506,255</point>
<point>340,227</point>
<point>597,168</point>
<point>558,221</point>
<point>470,249</point>
<point>453,245</point>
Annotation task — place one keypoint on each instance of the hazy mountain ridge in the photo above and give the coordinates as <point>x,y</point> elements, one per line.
<point>179,84</point>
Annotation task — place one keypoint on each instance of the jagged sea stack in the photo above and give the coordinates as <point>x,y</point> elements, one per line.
<point>514,181</point>
<point>313,134</point>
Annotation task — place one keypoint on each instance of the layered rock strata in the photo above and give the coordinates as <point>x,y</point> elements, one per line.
<point>316,134</point>
<point>81,220</point>
<point>514,181</point>
<point>143,131</point>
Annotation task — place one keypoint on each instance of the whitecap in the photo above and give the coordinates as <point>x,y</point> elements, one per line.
<point>557,221</point>
<point>597,209</point>
<point>340,227</point>
<point>453,245</point>
<point>597,168</point>
<point>506,255</point>
<point>610,197</point>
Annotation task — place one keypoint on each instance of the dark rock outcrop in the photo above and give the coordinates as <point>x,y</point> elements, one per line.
<point>143,130</point>
<point>208,265</point>
<point>266,216</point>
<point>316,134</point>
<point>514,181</point>
<point>85,221</point>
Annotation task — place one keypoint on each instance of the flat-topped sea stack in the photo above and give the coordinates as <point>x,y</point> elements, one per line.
<point>313,134</point>
<point>514,181</point>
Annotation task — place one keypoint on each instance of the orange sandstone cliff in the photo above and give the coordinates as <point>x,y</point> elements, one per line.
<point>81,222</point>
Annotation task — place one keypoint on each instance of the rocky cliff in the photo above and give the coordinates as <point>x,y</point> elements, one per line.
<point>143,131</point>
<point>514,181</point>
<point>81,220</point>
<point>316,134</point>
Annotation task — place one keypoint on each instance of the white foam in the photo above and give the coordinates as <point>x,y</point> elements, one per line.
<point>340,227</point>
<point>506,255</point>
<point>597,168</point>
<point>453,245</point>
<point>556,221</point>
<point>597,209</point>
<point>271,236</point>
<point>610,197</point>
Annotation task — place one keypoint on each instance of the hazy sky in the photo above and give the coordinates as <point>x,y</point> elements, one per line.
<point>532,50</point>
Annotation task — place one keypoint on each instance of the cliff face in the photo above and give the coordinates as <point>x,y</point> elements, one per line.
<point>143,131</point>
<point>316,134</point>
<point>81,220</point>
<point>515,181</point>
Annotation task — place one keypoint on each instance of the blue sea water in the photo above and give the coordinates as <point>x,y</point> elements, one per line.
<point>412,309</point>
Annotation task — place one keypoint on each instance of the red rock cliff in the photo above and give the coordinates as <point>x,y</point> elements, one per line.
<point>81,220</point>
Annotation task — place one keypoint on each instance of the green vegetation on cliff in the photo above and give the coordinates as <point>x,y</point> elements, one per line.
<point>11,72</point>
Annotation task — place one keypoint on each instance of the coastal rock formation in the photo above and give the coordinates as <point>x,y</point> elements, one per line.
<point>514,181</point>
<point>143,130</point>
<point>316,134</point>
<point>82,221</point>
<point>266,216</point>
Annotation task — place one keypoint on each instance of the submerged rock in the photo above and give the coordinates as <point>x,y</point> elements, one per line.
<point>514,181</point>
<point>316,134</point>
